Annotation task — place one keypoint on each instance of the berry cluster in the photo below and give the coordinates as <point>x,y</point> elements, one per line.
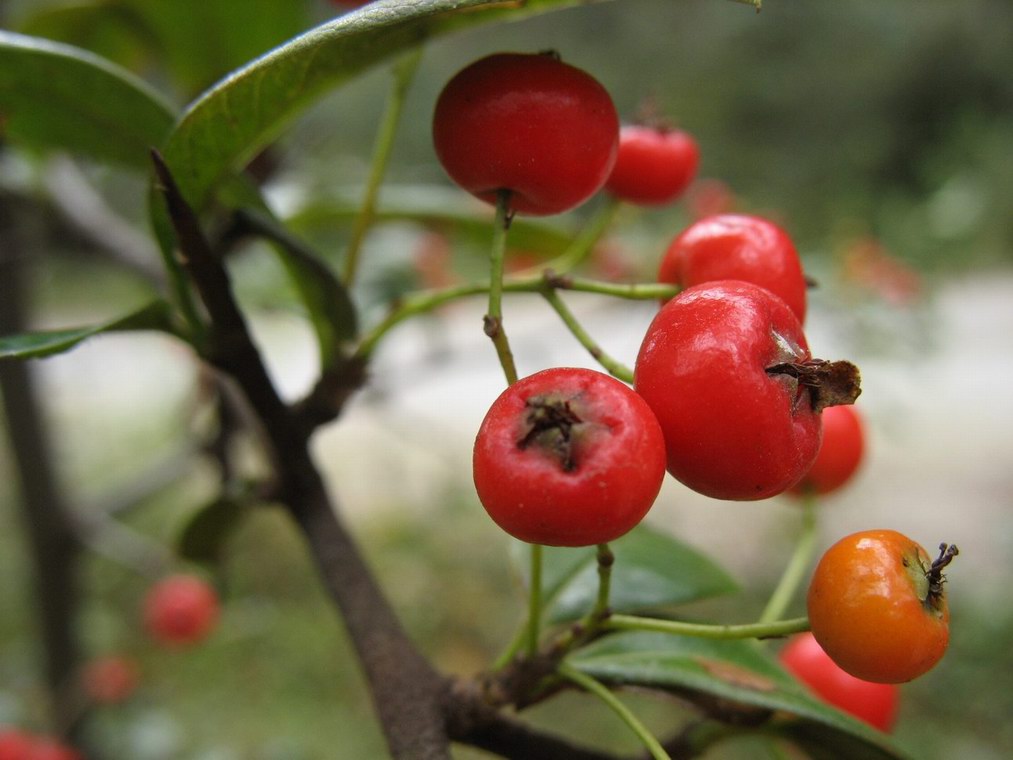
<point>726,395</point>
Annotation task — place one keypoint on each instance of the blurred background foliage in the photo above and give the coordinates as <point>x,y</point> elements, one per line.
<point>880,134</point>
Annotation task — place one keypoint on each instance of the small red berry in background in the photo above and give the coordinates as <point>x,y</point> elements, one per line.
<point>840,452</point>
<point>568,457</point>
<point>181,609</point>
<point>110,679</point>
<point>50,749</point>
<point>875,703</point>
<point>737,247</point>
<point>709,197</point>
<point>15,745</point>
<point>877,605</point>
<point>654,165</point>
<point>735,426</point>
<point>530,124</point>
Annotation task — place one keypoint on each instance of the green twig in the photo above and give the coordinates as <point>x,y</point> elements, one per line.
<point>404,72</point>
<point>582,246</point>
<point>494,316</point>
<point>592,686</point>
<point>794,571</point>
<point>614,368</point>
<point>706,631</point>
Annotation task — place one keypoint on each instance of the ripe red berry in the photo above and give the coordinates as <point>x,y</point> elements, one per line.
<point>654,166</point>
<point>181,609</point>
<point>568,457</point>
<point>875,703</point>
<point>110,679</point>
<point>877,605</point>
<point>723,367</point>
<point>737,247</point>
<point>15,745</point>
<point>840,453</point>
<point>530,124</point>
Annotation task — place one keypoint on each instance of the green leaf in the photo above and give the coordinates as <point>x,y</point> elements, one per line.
<point>434,209</point>
<point>57,96</point>
<point>236,118</point>
<point>154,316</point>
<point>204,535</point>
<point>652,570</point>
<point>743,672</point>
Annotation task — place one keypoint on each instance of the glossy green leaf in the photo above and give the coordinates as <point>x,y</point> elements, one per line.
<point>35,345</point>
<point>652,570</point>
<point>203,537</point>
<point>743,672</point>
<point>57,96</point>
<point>434,209</point>
<point>236,118</point>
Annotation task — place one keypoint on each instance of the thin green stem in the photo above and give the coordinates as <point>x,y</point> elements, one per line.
<point>582,246</point>
<point>634,291</point>
<point>706,631</point>
<point>534,601</point>
<point>404,72</point>
<point>605,561</point>
<point>494,315</point>
<point>794,571</point>
<point>614,367</point>
<point>599,690</point>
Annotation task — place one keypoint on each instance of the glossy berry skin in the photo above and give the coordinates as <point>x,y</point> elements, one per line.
<point>110,679</point>
<point>840,453</point>
<point>530,124</point>
<point>654,166</point>
<point>180,609</point>
<point>732,429</point>
<point>737,247</point>
<point>568,457</point>
<point>873,609</point>
<point>874,703</point>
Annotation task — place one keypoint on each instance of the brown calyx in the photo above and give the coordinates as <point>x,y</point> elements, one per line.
<point>829,383</point>
<point>550,425</point>
<point>935,575</point>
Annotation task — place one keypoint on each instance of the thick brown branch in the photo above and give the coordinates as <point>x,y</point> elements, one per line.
<point>408,693</point>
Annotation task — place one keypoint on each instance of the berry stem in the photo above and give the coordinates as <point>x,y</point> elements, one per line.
<point>605,561</point>
<point>615,368</point>
<point>794,571</point>
<point>599,690</point>
<point>404,72</point>
<point>706,631</point>
<point>534,601</point>
<point>494,315</point>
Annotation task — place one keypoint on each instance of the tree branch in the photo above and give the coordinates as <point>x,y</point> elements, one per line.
<point>408,693</point>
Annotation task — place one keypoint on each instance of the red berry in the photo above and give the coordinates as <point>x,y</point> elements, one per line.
<point>49,749</point>
<point>15,745</point>
<point>840,453</point>
<point>530,124</point>
<point>181,609</point>
<point>654,166</point>
<point>737,247</point>
<point>111,679</point>
<point>735,427</point>
<point>568,457</point>
<point>875,703</point>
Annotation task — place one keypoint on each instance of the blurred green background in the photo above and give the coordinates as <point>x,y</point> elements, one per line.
<point>879,134</point>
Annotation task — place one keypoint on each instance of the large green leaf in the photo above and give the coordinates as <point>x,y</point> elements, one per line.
<point>430,207</point>
<point>57,96</point>
<point>742,672</point>
<point>231,122</point>
<point>652,570</point>
<point>35,345</point>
